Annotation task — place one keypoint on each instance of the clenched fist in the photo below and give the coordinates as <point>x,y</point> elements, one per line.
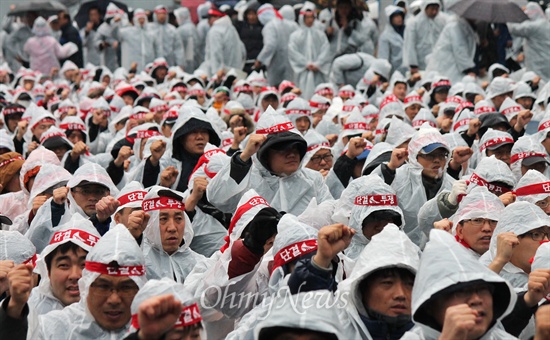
<point>168,176</point>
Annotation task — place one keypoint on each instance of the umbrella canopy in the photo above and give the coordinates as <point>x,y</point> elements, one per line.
<point>81,17</point>
<point>494,11</point>
<point>44,7</point>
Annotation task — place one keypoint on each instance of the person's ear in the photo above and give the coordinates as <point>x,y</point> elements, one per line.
<point>459,231</point>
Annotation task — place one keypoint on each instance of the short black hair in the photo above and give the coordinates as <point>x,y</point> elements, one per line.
<point>62,249</point>
<point>383,215</point>
<point>402,273</point>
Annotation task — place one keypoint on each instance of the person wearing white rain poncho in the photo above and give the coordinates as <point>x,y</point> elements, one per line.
<point>167,37</point>
<point>528,154</point>
<point>524,225</point>
<point>454,296</point>
<point>87,193</point>
<point>17,258</point>
<point>187,325</point>
<point>534,188</point>
<point>113,274</point>
<point>168,235</point>
<point>421,179</point>
<point>60,267</point>
<point>299,113</point>
<point>309,52</point>
<point>129,212</point>
<point>271,162</point>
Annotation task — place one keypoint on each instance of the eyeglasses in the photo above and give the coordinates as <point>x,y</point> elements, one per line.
<point>91,191</point>
<point>432,156</point>
<point>543,204</point>
<point>102,289</point>
<point>479,222</point>
<point>479,289</point>
<point>537,235</point>
<point>317,159</point>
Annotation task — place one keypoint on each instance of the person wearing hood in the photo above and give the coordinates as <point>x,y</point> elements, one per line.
<point>188,34</point>
<point>192,132</point>
<point>138,43</point>
<point>88,192</point>
<point>170,43</point>
<point>115,265</point>
<point>274,54</point>
<point>271,162</point>
<point>427,168</point>
<point>448,303</point>
<point>224,49</point>
<point>104,41</point>
<point>532,188</point>
<point>41,121</point>
<point>536,32</point>
<point>421,35</point>
<point>129,212</point>
<point>44,50</point>
<point>309,52</point>
<point>454,52</point>
<point>250,33</point>
<point>390,44</point>
<point>69,33</point>
<point>60,267</point>
<point>344,28</point>
<point>167,236</point>
<point>527,154</point>
<point>88,36</point>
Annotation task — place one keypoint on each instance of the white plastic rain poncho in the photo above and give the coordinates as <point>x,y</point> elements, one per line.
<point>399,132</point>
<point>168,38</point>
<point>104,34</point>
<point>190,314</point>
<point>371,195</point>
<point>253,282</point>
<point>519,218</point>
<point>274,54</point>
<point>76,320</point>
<point>541,260</point>
<point>41,228</point>
<point>306,46</point>
<point>49,177</point>
<point>510,108</point>
<point>421,35</point>
<point>392,249</point>
<point>16,247</point>
<point>526,147</point>
<point>445,263</point>
<point>461,121</point>
<point>208,231</point>
<point>378,151</point>
<point>189,37</point>
<point>536,32</point>
<point>493,138</point>
<point>349,68</point>
<point>287,193</point>
<point>315,312</point>
<point>42,300</point>
<point>159,263</point>
<point>298,108</point>
<point>424,116</point>
<point>130,196</point>
<point>454,51</point>
<point>224,48</point>
<point>408,182</point>
<point>138,43</point>
<point>533,187</point>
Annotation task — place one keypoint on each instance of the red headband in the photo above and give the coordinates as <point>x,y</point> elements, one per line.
<point>276,129</point>
<point>76,234</point>
<point>292,252</point>
<point>376,200</point>
<point>106,269</point>
<point>130,197</point>
<point>161,203</point>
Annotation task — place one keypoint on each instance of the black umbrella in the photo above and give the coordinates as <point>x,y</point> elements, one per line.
<point>494,11</point>
<point>44,7</point>
<point>81,17</point>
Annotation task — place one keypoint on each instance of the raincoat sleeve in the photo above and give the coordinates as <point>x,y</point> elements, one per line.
<point>384,47</point>
<point>334,184</point>
<point>270,45</point>
<point>216,57</point>
<point>435,210</point>
<point>42,226</point>
<point>410,57</point>
<point>11,328</point>
<point>208,234</point>
<point>524,29</point>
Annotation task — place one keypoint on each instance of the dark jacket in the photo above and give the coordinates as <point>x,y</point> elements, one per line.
<point>70,34</point>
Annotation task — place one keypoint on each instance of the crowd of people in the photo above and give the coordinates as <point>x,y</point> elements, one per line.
<point>275,174</point>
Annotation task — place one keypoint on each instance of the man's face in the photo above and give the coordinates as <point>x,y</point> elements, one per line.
<point>28,84</point>
<point>128,99</point>
<point>141,21</point>
<point>527,247</point>
<point>87,196</point>
<point>544,205</point>
<point>502,153</point>
<point>161,17</point>
<point>546,143</point>
<point>526,102</point>
<point>93,16</point>
<point>476,233</point>
<point>441,94</point>
<point>12,122</point>
<point>41,127</point>
<point>400,91</point>
<point>172,226</point>
<point>478,298</point>
<point>433,163</point>
<point>195,142</point>
<point>109,300</point>
<point>389,295</point>
<point>372,228</point>
<point>284,161</point>
<point>309,19</point>
<point>123,214</point>
<point>270,100</point>
<point>65,271</point>
<point>432,11</point>
<point>160,73</point>
<point>498,100</point>
<point>539,166</point>
<point>303,124</point>
<point>60,151</point>
<point>322,160</point>
<point>318,116</point>
<point>76,136</point>
<point>412,111</point>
